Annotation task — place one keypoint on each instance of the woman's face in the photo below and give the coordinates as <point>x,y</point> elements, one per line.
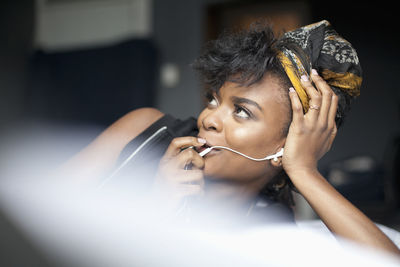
<point>249,120</point>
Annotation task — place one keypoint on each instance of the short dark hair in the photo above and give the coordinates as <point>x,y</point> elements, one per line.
<point>242,56</point>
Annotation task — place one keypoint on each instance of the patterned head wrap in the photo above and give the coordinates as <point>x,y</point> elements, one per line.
<point>318,46</point>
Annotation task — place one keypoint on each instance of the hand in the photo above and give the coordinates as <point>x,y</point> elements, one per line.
<point>172,178</point>
<point>310,135</point>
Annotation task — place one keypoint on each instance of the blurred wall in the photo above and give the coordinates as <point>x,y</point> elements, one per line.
<point>68,25</point>
<point>178,36</point>
<point>16,31</point>
<point>179,32</point>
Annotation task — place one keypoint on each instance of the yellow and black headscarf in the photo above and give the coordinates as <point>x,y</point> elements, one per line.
<point>318,46</point>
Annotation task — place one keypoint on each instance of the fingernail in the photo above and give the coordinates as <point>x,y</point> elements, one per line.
<point>314,71</point>
<point>304,78</point>
<point>291,89</point>
<point>201,140</point>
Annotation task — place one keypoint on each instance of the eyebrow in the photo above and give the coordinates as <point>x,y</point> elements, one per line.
<point>241,100</point>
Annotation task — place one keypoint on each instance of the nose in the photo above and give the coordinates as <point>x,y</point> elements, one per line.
<point>212,121</point>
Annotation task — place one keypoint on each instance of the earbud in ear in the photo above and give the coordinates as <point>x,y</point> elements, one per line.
<point>275,156</point>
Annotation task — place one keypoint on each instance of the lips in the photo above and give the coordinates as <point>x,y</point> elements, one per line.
<point>205,146</point>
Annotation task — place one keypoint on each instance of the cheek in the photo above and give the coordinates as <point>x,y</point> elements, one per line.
<point>253,140</point>
<point>238,136</point>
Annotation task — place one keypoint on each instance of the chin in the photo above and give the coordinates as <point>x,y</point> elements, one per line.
<point>220,172</point>
<point>213,171</point>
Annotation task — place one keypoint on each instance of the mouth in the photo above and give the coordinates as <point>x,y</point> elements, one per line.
<point>205,146</point>
<point>201,148</point>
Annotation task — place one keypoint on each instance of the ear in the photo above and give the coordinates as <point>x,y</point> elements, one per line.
<point>276,162</point>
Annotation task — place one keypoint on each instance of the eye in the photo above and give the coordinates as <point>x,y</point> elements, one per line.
<point>242,112</point>
<point>211,100</point>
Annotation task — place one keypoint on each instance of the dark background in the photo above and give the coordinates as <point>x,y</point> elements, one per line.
<point>93,87</point>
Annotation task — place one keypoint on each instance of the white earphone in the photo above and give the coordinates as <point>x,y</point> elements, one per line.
<point>273,156</point>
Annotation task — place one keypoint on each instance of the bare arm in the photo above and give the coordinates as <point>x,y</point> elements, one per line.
<point>338,214</point>
<point>100,156</point>
<point>310,137</point>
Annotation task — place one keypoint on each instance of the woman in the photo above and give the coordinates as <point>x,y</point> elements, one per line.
<point>264,95</point>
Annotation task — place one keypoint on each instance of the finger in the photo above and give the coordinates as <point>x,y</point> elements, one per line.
<point>331,118</point>
<point>333,110</point>
<point>297,107</point>
<point>332,137</point>
<point>314,95</point>
<point>189,156</point>
<point>178,143</point>
<point>326,93</point>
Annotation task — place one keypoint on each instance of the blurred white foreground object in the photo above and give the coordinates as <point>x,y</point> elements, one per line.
<point>110,229</point>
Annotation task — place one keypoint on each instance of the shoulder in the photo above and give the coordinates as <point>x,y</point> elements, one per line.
<point>144,113</point>
<point>122,131</point>
<point>133,123</point>
<point>144,116</point>
<point>100,155</point>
